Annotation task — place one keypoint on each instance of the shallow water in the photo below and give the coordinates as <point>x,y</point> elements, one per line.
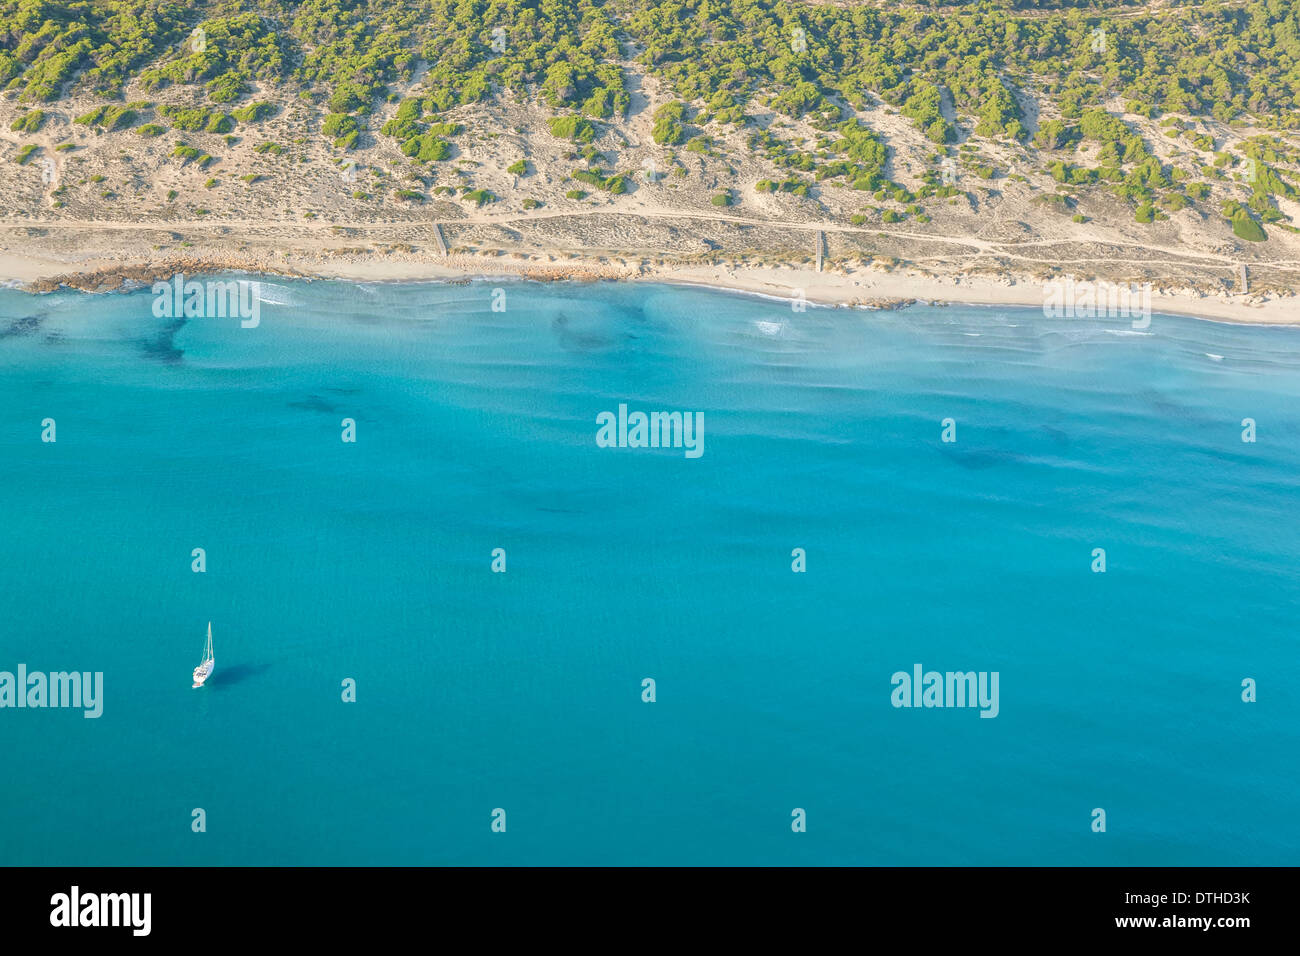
<point>476,430</point>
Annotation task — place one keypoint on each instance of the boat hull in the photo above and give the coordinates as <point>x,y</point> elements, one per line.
<point>202,673</point>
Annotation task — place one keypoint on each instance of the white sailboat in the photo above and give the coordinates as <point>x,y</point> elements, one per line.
<point>204,670</point>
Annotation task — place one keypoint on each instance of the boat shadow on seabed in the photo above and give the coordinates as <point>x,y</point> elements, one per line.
<point>235,674</point>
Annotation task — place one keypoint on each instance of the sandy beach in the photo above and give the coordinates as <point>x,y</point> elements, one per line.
<point>90,266</point>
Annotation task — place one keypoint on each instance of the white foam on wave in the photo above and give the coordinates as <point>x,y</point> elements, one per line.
<point>1213,358</point>
<point>274,294</point>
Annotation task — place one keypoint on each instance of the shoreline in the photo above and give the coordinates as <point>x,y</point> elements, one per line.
<point>861,287</point>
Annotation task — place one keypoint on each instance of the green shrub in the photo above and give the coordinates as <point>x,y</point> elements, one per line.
<point>1246,228</point>
<point>338,124</point>
<point>349,97</point>
<point>616,184</point>
<point>427,148</point>
<point>226,88</point>
<point>29,122</point>
<point>573,128</point>
<point>190,119</point>
<point>108,117</point>
<point>1097,124</point>
<point>669,128</point>
<point>253,112</point>
<point>409,110</point>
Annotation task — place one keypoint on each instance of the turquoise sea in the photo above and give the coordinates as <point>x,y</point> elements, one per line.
<point>475,690</point>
